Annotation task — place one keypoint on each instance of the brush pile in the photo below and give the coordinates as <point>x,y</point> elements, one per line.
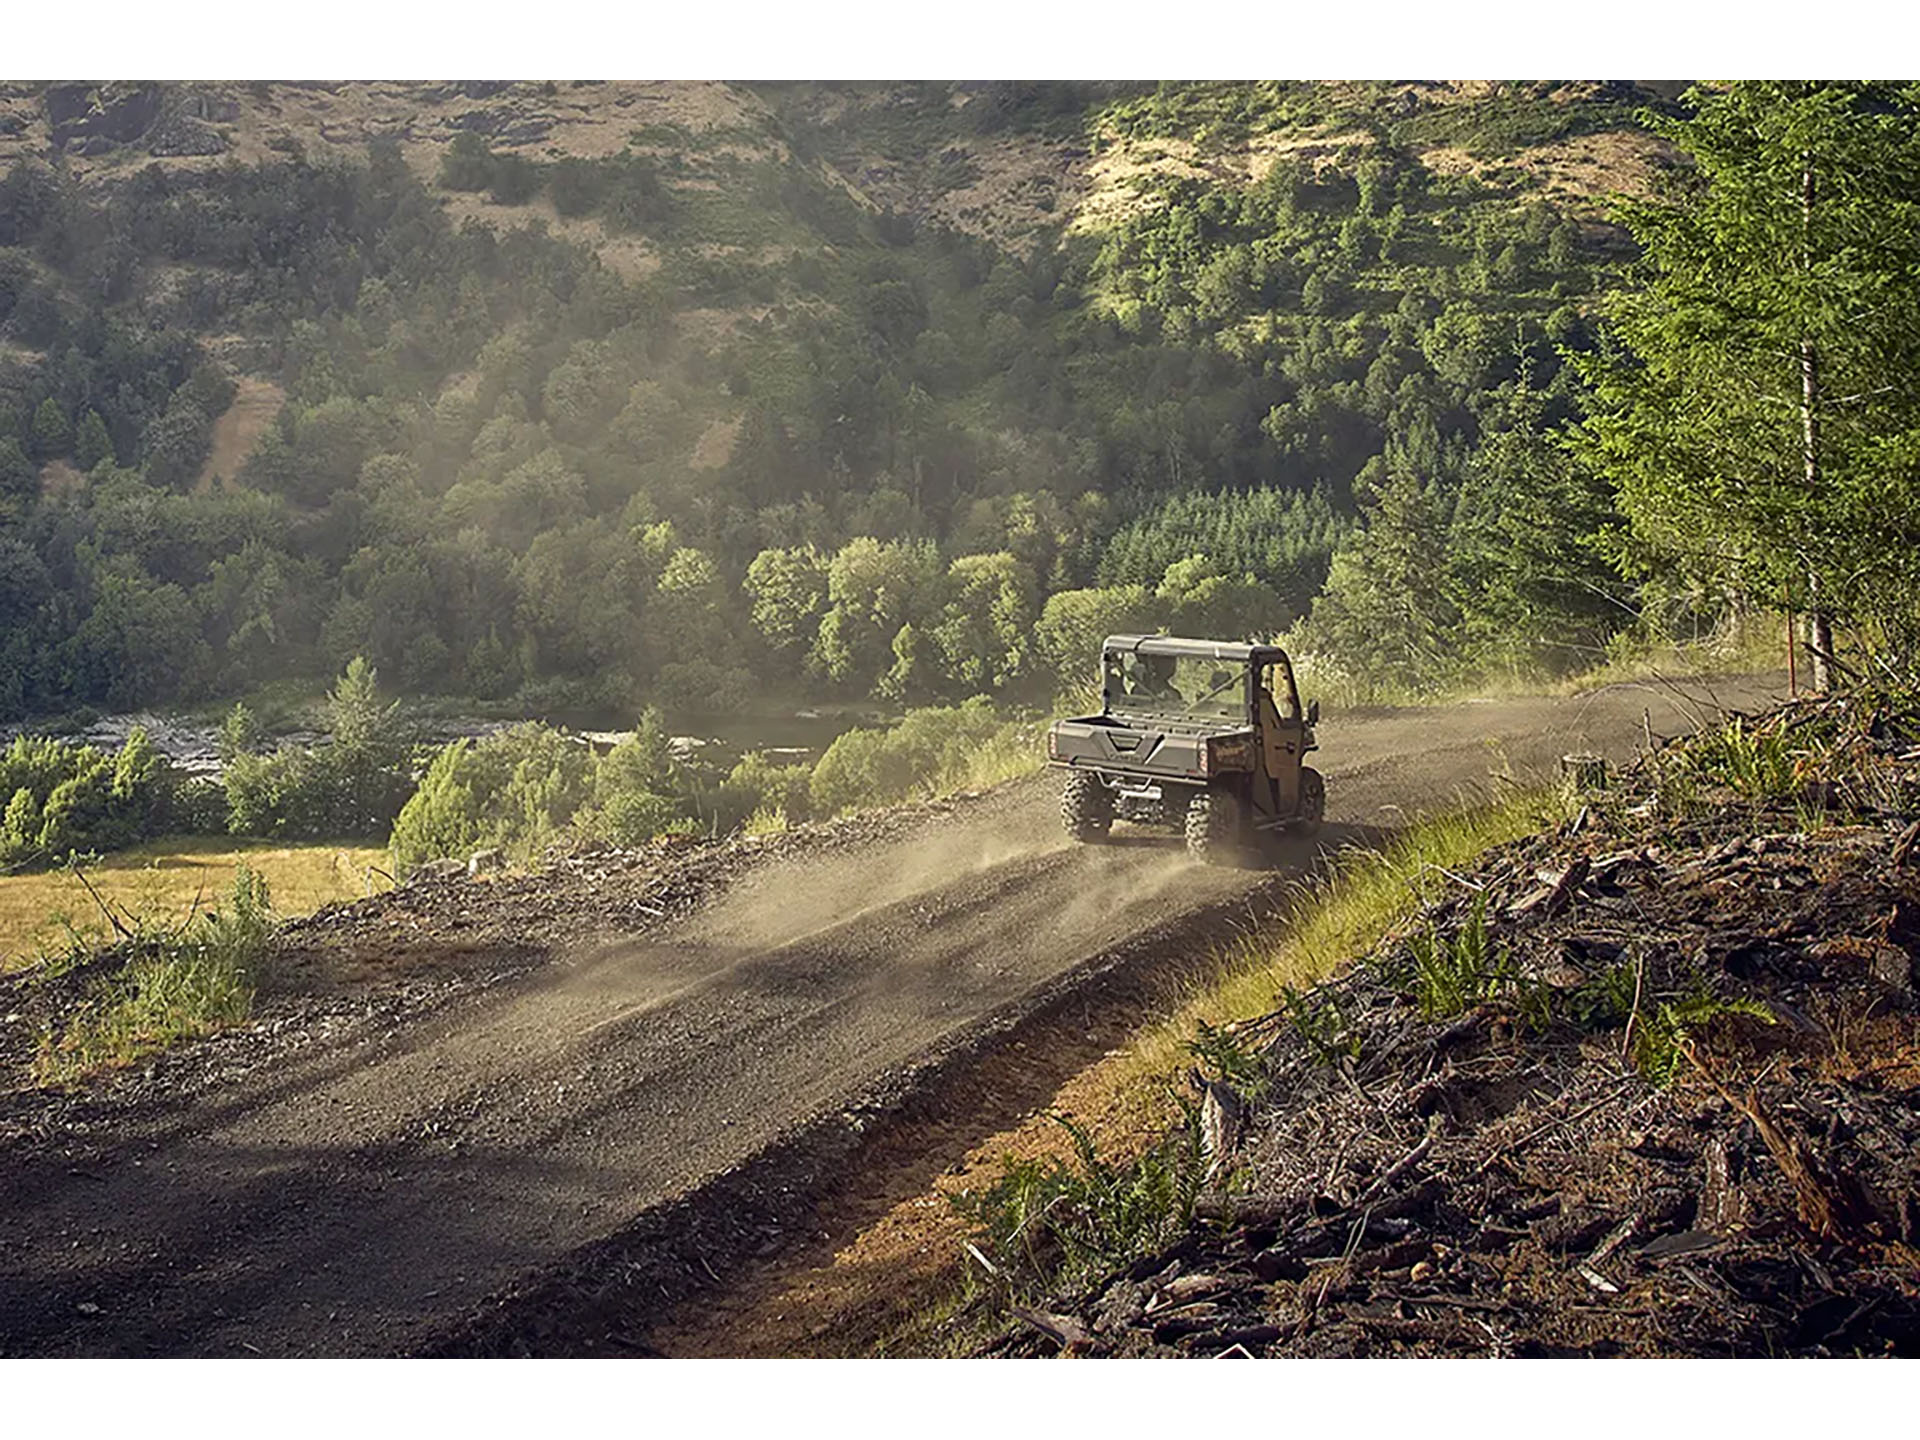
<point>1648,1084</point>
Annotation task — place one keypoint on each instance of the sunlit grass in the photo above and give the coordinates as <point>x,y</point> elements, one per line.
<point>183,982</point>
<point>1335,918</point>
<point>44,912</point>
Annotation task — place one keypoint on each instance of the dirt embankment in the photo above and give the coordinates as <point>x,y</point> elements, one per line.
<point>1647,1086</point>
<point>521,1114</point>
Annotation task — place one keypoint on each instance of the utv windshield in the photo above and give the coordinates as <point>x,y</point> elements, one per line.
<point>1205,690</point>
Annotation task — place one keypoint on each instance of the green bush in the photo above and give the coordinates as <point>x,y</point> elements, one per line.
<point>65,799</point>
<point>578,186</point>
<point>1050,1222</point>
<point>468,163</point>
<point>514,791</point>
<point>636,788</point>
<point>351,787</point>
<point>779,795</point>
<point>931,749</point>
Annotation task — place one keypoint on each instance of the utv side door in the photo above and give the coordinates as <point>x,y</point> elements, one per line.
<point>1283,735</point>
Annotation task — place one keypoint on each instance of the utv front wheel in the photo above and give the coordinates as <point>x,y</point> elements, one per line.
<point>1086,807</point>
<point>1313,801</point>
<point>1216,826</point>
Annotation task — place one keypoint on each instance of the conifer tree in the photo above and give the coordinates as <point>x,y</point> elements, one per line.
<point>1761,410</point>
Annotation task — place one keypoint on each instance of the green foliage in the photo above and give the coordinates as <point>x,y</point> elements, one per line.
<point>514,791</point>
<point>1283,540</point>
<point>921,756</point>
<point>351,787</point>
<point>1661,1039</point>
<point>636,789</point>
<point>1758,764</point>
<point>1225,1056</point>
<point>1454,973</point>
<point>65,799</point>
<point>1074,622</point>
<point>1045,1223</point>
<point>177,984</point>
<point>494,446</point>
<point>91,442</point>
<point>468,163</point>
<point>19,476</point>
<point>779,794</point>
<point>1320,1024</point>
<point>52,434</point>
<point>1383,612</point>
<point>1754,408</point>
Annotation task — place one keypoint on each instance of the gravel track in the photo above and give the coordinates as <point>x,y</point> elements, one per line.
<point>374,1193</point>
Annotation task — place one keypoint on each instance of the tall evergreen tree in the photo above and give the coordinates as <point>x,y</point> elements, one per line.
<point>1761,409</point>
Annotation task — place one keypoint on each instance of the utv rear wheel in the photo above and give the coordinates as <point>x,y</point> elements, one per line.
<point>1313,801</point>
<point>1216,826</point>
<point>1086,807</point>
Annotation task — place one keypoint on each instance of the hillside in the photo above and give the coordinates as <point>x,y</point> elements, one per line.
<point>589,395</point>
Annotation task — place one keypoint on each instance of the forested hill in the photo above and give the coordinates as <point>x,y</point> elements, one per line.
<point>590,396</point>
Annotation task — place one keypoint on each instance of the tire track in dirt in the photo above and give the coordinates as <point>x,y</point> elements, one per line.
<point>456,1183</point>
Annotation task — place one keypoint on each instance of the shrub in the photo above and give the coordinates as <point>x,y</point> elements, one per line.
<point>515,791</point>
<point>930,750</point>
<point>758,795</point>
<point>636,788</point>
<point>176,986</point>
<point>468,163</point>
<point>515,180</point>
<point>353,786</point>
<point>62,798</point>
<point>578,185</point>
<point>1050,1221</point>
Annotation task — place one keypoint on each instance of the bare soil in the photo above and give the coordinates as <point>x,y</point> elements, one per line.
<point>525,1114</point>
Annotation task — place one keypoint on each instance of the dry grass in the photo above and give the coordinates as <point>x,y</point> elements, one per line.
<point>162,881</point>
<point>1756,646</point>
<point>256,404</point>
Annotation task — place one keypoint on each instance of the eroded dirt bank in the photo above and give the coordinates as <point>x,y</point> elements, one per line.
<point>465,1105</point>
<point>1649,1085</point>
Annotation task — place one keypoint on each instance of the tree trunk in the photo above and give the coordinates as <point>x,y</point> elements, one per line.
<point>1819,618</point>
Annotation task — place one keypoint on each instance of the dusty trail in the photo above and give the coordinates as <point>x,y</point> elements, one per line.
<point>363,1198</point>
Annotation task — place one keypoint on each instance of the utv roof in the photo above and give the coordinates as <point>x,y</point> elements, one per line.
<point>1236,651</point>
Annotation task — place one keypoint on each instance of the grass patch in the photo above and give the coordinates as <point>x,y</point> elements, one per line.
<point>162,881</point>
<point>181,983</point>
<point>1338,917</point>
<point>1754,646</point>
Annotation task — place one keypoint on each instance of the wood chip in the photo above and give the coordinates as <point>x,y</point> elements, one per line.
<point>1598,1281</point>
<point>1904,846</point>
<point>1063,1330</point>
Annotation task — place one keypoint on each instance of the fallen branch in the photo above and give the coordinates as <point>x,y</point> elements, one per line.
<point>105,909</point>
<point>1400,1166</point>
<point>1063,1330</point>
<point>1821,1211</point>
<point>1903,847</point>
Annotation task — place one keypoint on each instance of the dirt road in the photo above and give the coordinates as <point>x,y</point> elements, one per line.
<point>368,1196</point>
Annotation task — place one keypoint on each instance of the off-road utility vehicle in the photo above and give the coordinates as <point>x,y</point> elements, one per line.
<point>1204,735</point>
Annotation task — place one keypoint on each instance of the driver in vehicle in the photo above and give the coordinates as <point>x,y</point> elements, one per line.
<point>1153,679</point>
